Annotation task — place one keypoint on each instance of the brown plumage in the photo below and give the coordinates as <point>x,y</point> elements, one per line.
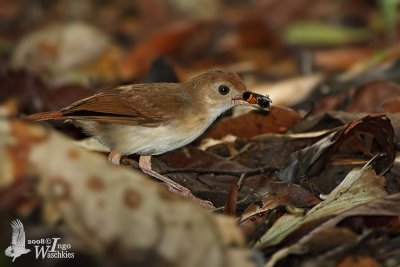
<point>150,119</point>
<point>138,104</point>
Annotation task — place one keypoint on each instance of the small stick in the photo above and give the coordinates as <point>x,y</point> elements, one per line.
<point>251,172</point>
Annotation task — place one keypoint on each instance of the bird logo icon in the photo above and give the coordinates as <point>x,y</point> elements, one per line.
<point>17,247</point>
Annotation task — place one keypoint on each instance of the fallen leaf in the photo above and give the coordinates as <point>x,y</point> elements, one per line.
<point>231,201</point>
<point>370,135</point>
<point>327,238</point>
<point>387,206</point>
<point>278,120</point>
<point>390,105</point>
<point>370,97</point>
<point>360,261</point>
<point>275,149</point>
<point>165,41</point>
<point>359,187</point>
<point>332,119</point>
<point>340,58</point>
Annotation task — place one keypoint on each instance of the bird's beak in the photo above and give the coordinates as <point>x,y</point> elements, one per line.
<point>254,99</point>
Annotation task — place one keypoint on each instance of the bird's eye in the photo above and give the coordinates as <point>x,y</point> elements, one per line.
<point>223,89</point>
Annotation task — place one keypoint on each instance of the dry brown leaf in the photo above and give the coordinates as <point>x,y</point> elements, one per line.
<point>165,41</point>
<point>340,58</point>
<point>359,187</point>
<point>371,96</point>
<point>359,261</point>
<point>278,120</point>
<point>231,201</point>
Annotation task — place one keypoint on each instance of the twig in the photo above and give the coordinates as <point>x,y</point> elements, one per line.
<point>252,198</point>
<point>251,172</point>
<point>241,151</point>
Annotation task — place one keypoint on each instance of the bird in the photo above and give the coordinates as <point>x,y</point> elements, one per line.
<point>17,247</point>
<point>153,118</point>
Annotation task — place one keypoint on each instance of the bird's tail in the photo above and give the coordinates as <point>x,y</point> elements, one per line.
<point>44,116</point>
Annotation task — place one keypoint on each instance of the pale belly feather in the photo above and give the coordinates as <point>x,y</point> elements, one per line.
<point>155,140</point>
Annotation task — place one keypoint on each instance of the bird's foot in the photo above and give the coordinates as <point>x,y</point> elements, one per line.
<point>145,166</point>
<point>114,157</point>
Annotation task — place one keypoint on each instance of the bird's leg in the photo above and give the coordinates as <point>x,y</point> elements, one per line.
<point>145,166</point>
<point>114,157</point>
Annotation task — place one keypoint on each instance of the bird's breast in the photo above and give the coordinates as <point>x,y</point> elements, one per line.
<point>163,138</point>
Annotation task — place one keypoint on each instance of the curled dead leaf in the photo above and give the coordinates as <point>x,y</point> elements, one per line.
<point>367,136</point>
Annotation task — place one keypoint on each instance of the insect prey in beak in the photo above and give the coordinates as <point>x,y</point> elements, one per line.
<point>254,98</point>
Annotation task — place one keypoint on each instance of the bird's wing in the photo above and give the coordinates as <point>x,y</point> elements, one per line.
<point>18,234</point>
<point>144,104</point>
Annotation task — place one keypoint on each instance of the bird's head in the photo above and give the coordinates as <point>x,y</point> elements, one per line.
<point>219,91</point>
